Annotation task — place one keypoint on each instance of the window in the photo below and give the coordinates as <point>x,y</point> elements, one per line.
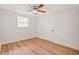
<point>22,21</point>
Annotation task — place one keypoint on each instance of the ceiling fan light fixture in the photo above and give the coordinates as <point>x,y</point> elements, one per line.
<point>34,11</point>
<point>37,8</point>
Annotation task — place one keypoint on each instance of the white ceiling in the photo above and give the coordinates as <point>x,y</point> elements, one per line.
<point>21,8</point>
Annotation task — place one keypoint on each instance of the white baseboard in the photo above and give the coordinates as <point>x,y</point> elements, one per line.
<point>60,43</point>
<point>67,45</point>
<point>16,40</point>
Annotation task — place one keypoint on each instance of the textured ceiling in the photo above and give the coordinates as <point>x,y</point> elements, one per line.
<point>50,8</point>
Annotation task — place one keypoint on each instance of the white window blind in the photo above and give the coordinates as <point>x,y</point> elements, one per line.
<point>22,21</point>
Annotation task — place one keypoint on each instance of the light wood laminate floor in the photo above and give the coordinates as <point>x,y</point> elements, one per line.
<point>36,46</point>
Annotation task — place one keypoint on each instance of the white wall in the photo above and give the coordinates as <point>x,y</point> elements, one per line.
<point>44,27</point>
<point>0,25</point>
<point>66,26</point>
<point>10,32</point>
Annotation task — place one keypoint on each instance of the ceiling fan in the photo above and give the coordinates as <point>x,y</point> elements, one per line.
<point>37,8</point>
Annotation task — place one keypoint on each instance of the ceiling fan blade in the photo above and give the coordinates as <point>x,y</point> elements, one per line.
<point>41,11</point>
<point>30,6</point>
<point>41,5</point>
<point>28,10</point>
<point>35,7</point>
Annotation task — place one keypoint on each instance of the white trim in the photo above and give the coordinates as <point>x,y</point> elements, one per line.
<point>60,43</point>
<point>67,45</point>
<point>16,40</point>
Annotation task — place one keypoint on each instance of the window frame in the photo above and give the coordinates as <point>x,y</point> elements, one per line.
<point>20,21</point>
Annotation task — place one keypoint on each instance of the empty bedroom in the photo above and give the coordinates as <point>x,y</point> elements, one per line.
<point>39,29</point>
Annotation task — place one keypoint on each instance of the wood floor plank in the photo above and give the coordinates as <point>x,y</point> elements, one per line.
<point>53,47</point>
<point>36,49</point>
<point>25,48</point>
<point>36,46</point>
